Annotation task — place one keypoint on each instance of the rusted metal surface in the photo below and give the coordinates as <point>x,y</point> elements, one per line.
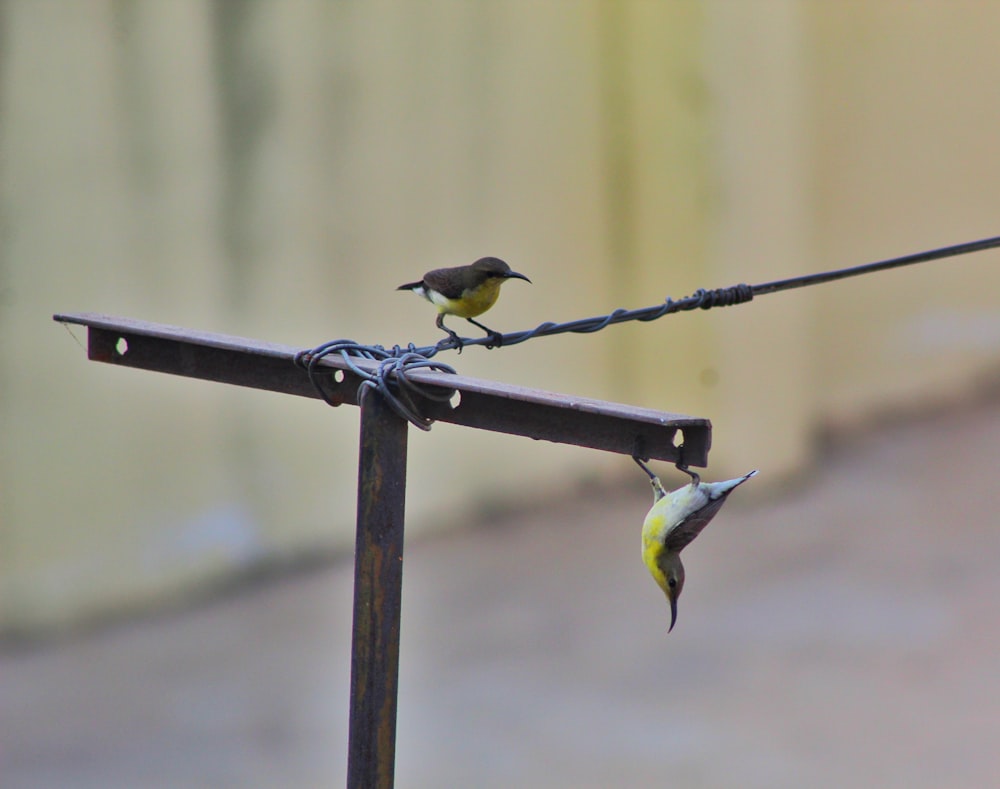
<point>378,577</point>
<point>378,565</point>
<point>488,405</point>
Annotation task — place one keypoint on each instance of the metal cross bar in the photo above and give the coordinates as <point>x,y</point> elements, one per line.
<point>488,405</point>
<point>382,474</point>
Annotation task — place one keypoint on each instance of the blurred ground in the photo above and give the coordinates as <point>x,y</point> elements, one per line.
<point>846,634</point>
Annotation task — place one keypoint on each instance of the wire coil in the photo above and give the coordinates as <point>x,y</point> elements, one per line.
<point>390,379</point>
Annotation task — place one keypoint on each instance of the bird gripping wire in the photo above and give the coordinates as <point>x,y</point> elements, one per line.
<point>396,361</point>
<point>719,297</point>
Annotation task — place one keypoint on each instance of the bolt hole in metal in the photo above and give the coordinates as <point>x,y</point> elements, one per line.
<point>455,400</point>
<point>339,376</point>
<point>678,440</point>
<point>121,347</point>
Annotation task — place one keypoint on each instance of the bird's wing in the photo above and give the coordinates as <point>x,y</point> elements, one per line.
<point>689,528</point>
<point>445,283</point>
<point>710,496</point>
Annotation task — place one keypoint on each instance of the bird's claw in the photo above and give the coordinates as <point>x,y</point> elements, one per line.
<point>453,338</point>
<point>495,341</point>
<point>695,477</point>
<point>642,464</point>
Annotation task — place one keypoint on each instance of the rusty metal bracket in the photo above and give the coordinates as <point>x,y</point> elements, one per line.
<point>382,474</point>
<point>488,405</point>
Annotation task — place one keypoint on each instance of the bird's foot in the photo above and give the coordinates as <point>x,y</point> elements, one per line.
<point>495,341</point>
<point>658,490</point>
<point>641,462</point>
<point>695,477</point>
<point>454,339</point>
<point>496,338</point>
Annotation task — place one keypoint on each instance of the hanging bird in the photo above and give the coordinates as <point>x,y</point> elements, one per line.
<point>673,521</point>
<point>465,291</point>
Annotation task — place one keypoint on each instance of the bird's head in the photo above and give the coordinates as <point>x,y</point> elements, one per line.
<point>672,583</point>
<point>494,267</point>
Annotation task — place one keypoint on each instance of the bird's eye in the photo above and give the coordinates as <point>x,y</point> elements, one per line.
<point>672,583</point>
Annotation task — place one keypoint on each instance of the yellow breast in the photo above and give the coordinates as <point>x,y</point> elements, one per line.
<point>474,301</point>
<point>652,545</point>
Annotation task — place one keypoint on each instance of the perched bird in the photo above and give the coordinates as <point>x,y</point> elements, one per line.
<point>673,521</point>
<point>465,291</point>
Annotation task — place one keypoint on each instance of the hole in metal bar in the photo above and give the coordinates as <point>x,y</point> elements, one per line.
<point>339,376</point>
<point>121,347</point>
<point>455,400</point>
<point>678,439</point>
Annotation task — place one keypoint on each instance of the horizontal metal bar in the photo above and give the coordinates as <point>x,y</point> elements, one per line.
<point>488,405</point>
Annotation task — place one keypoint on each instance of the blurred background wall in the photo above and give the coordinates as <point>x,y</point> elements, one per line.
<point>276,168</point>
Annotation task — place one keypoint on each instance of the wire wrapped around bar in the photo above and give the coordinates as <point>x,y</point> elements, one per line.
<point>390,379</point>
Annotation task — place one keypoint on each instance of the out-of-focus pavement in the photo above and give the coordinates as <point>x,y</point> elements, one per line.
<point>846,633</point>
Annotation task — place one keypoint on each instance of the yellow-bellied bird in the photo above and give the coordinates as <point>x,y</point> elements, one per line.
<point>673,521</point>
<point>465,291</point>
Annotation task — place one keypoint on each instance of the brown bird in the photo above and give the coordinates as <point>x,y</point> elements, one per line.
<point>465,291</point>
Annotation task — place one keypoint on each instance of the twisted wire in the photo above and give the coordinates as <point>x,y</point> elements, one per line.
<point>720,297</point>
<point>390,378</point>
<point>701,299</point>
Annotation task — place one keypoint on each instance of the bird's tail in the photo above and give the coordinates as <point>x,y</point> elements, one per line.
<point>717,489</point>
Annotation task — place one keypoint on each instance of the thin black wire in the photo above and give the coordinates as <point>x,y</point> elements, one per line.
<point>390,378</point>
<point>882,265</point>
<point>707,299</point>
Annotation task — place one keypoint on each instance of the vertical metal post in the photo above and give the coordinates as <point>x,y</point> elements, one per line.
<point>378,575</point>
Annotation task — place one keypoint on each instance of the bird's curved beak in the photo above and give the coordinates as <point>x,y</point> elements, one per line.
<point>515,275</point>
<point>673,613</point>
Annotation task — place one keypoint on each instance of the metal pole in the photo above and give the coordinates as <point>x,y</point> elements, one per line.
<point>378,575</point>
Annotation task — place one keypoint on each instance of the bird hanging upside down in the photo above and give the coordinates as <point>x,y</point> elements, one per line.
<point>465,291</point>
<point>673,521</point>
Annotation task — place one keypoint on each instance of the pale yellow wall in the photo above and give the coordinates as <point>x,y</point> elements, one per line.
<point>905,119</point>
<point>616,152</point>
<point>369,143</point>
